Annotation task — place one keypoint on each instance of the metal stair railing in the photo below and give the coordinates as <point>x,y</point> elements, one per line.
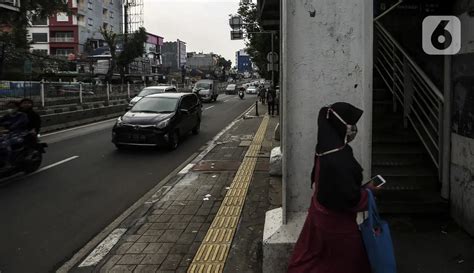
<point>423,103</point>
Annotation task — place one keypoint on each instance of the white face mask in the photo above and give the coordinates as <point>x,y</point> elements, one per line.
<point>11,111</point>
<point>351,132</point>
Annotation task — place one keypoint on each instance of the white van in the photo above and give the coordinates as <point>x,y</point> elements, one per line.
<point>206,90</point>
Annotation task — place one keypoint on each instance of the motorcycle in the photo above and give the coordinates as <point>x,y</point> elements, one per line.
<point>26,158</point>
<point>241,94</point>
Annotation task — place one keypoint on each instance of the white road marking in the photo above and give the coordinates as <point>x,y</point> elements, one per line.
<point>103,248</point>
<point>227,100</point>
<point>79,127</point>
<point>186,169</point>
<point>55,164</point>
<point>209,107</point>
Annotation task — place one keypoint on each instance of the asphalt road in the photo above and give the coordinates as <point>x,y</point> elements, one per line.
<point>47,217</point>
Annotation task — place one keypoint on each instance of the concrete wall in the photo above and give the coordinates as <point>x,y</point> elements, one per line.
<point>462,142</point>
<point>462,181</point>
<point>327,57</point>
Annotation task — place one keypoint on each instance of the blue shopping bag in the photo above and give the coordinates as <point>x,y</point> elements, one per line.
<point>377,240</point>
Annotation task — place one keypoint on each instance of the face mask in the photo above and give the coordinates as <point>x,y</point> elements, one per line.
<point>351,132</point>
<point>11,111</point>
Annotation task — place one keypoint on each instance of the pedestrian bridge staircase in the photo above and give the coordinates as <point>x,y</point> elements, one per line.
<point>408,132</point>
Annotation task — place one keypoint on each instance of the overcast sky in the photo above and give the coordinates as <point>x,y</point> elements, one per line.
<point>202,24</point>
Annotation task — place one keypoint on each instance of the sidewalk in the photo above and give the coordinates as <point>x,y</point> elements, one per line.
<point>167,237</point>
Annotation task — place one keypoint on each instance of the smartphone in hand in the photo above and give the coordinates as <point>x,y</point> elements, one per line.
<point>377,181</point>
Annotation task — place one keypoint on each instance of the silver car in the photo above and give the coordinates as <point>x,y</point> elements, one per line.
<point>150,91</point>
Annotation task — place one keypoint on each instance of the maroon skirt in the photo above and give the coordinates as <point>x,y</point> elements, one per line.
<point>330,242</point>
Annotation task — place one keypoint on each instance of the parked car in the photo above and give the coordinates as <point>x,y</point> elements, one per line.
<point>159,120</point>
<point>150,91</point>
<point>251,90</point>
<point>206,90</point>
<point>231,89</point>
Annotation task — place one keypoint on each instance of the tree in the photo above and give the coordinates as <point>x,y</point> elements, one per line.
<point>14,40</point>
<point>224,65</point>
<point>132,48</point>
<point>258,45</point>
<point>111,39</point>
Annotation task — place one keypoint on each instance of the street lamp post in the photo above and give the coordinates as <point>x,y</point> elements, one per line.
<point>236,23</point>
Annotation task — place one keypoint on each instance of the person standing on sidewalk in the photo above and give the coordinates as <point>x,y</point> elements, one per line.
<point>277,102</point>
<point>330,241</point>
<point>262,93</point>
<point>271,101</point>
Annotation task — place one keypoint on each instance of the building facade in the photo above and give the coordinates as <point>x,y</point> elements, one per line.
<point>153,51</point>
<point>202,61</point>
<point>174,55</point>
<point>242,59</point>
<point>65,35</point>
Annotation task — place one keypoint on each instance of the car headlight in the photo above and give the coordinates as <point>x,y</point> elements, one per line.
<point>119,122</point>
<point>162,124</point>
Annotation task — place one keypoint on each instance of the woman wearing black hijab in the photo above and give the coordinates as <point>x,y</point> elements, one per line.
<point>330,241</point>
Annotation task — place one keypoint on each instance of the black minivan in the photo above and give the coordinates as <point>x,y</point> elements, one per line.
<point>159,120</point>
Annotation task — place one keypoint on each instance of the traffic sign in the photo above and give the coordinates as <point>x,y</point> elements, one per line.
<point>272,56</point>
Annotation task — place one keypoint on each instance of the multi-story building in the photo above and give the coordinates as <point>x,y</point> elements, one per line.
<point>65,34</point>
<point>174,55</point>
<point>242,59</point>
<point>10,5</point>
<point>202,61</point>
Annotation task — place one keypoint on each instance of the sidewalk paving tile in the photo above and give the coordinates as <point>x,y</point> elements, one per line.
<point>169,235</point>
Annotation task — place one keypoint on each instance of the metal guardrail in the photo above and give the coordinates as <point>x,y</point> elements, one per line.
<point>53,94</point>
<point>423,103</point>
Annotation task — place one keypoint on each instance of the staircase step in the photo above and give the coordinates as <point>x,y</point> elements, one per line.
<point>395,137</point>
<point>411,202</point>
<point>397,148</point>
<point>386,122</point>
<point>382,107</point>
<point>392,160</point>
<point>404,171</point>
<point>381,94</point>
<point>404,183</point>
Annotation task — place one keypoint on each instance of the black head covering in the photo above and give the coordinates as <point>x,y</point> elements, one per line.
<point>340,175</point>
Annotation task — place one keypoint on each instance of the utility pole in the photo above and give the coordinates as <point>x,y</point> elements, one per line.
<point>125,21</point>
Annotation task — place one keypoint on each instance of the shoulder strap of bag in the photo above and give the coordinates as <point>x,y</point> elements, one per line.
<point>374,217</point>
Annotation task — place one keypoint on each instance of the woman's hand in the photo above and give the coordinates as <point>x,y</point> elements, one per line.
<point>371,186</point>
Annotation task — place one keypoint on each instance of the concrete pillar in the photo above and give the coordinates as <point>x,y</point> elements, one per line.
<point>326,58</point>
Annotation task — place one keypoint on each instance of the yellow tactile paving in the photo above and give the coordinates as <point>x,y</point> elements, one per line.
<point>212,254</point>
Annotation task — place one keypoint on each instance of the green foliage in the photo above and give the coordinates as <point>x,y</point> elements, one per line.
<point>133,47</point>
<point>111,39</point>
<point>223,63</point>
<point>258,45</point>
<point>14,46</point>
<point>19,21</point>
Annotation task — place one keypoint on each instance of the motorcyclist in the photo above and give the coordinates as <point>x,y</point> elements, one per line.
<point>34,120</point>
<point>241,92</point>
<point>15,128</point>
